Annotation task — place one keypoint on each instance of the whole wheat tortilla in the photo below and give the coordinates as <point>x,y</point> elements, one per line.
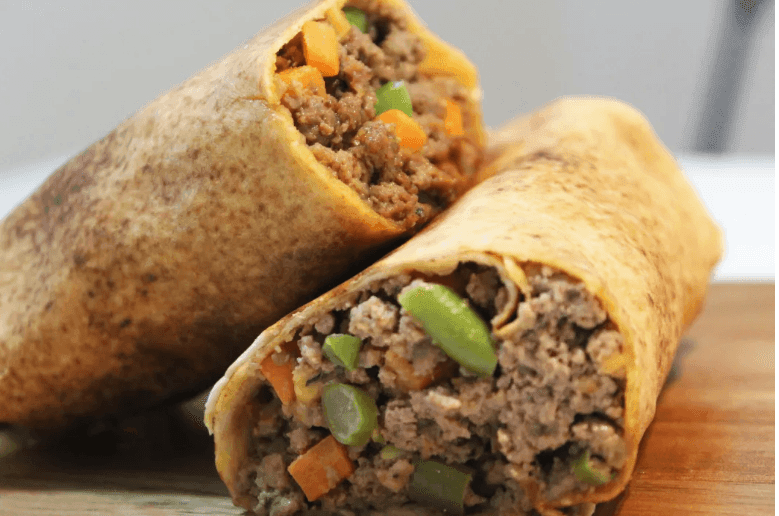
<point>144,266</point>
<point>583,186</point>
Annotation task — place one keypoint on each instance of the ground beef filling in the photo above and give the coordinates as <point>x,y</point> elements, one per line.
<point>404,186</point>
<point>547,403</point>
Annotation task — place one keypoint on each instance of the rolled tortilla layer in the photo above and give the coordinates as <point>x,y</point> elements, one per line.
<point>582,207</point>
<point>143,267</point>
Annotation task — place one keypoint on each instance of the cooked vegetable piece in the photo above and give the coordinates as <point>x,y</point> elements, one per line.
<point>393,95</point>
<point>308,76</point>
<point>439,485</point>
<point>350,413</point>
<point>377,437</point>
<point>320,47</point>
<point>321,468</point>
<point>277,368</point>
<point>304,392</point>
<point>409,132</point>
<point>453,119</point>
<point>390,452</point>
<point>453,325</point>
<point>343,350</point>
<point>586,473</point>
<point>408,379</point>
<point>339,21</point>
<point>357,18</point>
<point>440,61</point>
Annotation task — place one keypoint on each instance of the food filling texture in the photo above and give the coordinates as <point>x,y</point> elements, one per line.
<point>373,409</point>
<point>395,135</point>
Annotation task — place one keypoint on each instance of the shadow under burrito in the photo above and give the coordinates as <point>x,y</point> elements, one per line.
<point>158,451</point>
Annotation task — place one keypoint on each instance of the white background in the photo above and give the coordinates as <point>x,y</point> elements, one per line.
<point>71,70</point>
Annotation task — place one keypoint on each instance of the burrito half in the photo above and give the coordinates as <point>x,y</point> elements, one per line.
<point>143,267</point>
<point>508,357</point>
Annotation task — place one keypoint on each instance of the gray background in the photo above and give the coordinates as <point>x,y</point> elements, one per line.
<point>71,70</point>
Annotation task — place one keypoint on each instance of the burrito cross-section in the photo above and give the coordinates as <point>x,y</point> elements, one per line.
<point>506,359</point>
<point>143,267</point>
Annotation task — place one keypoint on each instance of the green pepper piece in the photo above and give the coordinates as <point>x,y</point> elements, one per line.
<point>357,18</point>
<point>393,95</point>
<point>453,325</point>
<point>377,437</point>
<point>350,413</point>
<point>439,485</point>
<point>585,473</point>
<point>342,349</point>
<point>389,452</point>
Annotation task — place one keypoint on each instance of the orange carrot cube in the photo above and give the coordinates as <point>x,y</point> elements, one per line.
<point>277,369</point>
<point>338,20</point>
<point>321,468</point>
<point>408,131</point>
<point>453,119</point>
<point>320,47</point>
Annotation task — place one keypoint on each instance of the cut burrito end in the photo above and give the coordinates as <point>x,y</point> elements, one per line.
<point>506,359</point>
<point>381,105</point>
<point>151,259</point>
<point>451,394</point>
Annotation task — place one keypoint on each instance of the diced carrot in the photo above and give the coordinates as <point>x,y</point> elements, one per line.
<point>320,47</point>
<point>308,76</point>
<point>408,131</point>
<point>339,22</point>
<point>321,468</point>
<point>453,119</point>
<point>277,369</point>
<point>407,379</point>
<point>442,61</point>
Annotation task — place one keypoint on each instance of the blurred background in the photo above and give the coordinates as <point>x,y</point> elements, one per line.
<point>73,70</point>
<point>702,71</point>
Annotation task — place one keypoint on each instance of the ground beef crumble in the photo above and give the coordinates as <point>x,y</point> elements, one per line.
<point>547,403</point>
<point>363,153</point>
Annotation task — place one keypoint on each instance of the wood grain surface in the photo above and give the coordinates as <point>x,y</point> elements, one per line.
<point>710,450</point>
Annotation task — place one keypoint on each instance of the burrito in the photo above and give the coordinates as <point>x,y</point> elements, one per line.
<point>506,359</point>
<point>143,267</point>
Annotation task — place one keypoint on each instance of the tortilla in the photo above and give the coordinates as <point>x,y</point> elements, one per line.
<point>581,195</point>
<point>143,267</point>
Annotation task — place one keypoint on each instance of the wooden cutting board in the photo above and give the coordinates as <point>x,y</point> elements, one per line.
<point>710,450</point>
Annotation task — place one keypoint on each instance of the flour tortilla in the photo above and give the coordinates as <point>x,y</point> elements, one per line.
<point>582,185</point>
<point>143,267</point>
